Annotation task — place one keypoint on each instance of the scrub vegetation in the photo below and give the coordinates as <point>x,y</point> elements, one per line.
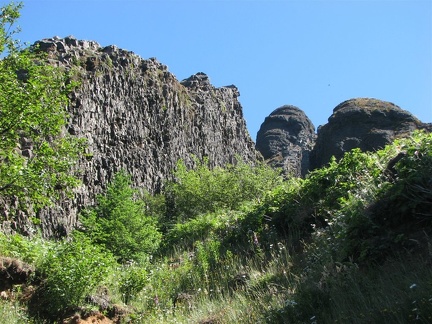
<point>349,243</point>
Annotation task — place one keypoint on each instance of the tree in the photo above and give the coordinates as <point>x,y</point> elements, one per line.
<point>119,223</point>
<point>36,156</point>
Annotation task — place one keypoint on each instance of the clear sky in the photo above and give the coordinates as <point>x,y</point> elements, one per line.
<point>311,54</point>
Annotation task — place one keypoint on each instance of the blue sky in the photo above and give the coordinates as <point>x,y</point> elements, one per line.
<point>311,54</point>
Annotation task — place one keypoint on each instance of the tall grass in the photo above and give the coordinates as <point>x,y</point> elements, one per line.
<point>348,244</point>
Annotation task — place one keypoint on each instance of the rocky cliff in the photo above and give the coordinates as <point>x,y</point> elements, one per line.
<point>137,116</point>
<point>286,138</point>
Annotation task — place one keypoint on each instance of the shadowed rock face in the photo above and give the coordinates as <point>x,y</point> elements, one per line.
<point>137,116</point>
<point>368,124</point>
<point>285,140</point>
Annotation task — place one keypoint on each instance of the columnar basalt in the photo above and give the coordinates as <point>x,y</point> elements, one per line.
<point>138,117</point>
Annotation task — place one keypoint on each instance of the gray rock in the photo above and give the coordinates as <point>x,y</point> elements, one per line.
<point>137,116</point>
<point>365,123</point>
<point>285,140</point>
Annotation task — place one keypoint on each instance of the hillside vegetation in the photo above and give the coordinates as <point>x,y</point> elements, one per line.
<point>349,243</point>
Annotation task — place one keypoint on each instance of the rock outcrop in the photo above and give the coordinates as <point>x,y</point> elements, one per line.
<point>286,138</point>
<point>365,123</point>
<point>137,116</point>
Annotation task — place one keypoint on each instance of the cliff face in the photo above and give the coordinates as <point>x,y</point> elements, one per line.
<point>285,140</point>
<point>137,116</point>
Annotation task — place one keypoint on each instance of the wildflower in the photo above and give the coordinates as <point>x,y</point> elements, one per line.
<point>413,286</point>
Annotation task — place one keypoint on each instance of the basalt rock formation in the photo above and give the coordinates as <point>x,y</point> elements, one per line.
<point>365,123</point>
<point>138,117</point>
<point>286,138</point>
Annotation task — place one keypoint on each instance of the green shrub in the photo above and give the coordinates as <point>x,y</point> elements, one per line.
<point>33,97</point>
<point>408,200</point>
<point>30,250</point>
<point>70,272</point>
<point>207,256</point>
<point>132,279</point>
<point>203,189</point>
<point>211,225</point>
<point>118,222</point>
<point>376,218</point>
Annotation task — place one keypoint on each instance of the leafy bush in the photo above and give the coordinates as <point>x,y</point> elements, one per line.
<point>118,222</point>
<point>202,189</point>
<point>30,250</point>
<point>132,279</point>
<point>377,218</point>
<point>211,225</point>
<point>70,272</point>
<point>408,200</point>
<point>207,256</point>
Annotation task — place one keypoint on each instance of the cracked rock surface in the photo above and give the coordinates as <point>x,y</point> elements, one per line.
<point>138,117</point>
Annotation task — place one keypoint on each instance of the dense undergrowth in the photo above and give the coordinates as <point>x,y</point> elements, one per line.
<point>350,243</point>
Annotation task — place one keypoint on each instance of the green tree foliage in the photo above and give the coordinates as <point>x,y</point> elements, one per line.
<point>119,222</point>
<point>9,14</point>
<point>203,189</point>
<point>36,157</point>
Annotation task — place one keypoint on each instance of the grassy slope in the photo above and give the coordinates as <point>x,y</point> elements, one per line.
<point>350,243</point>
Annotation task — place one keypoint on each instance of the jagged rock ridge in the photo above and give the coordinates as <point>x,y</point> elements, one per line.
<point>137,116</point>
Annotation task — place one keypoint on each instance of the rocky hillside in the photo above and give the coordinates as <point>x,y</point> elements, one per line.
<point>137,116</point>
<point>287,139</point>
